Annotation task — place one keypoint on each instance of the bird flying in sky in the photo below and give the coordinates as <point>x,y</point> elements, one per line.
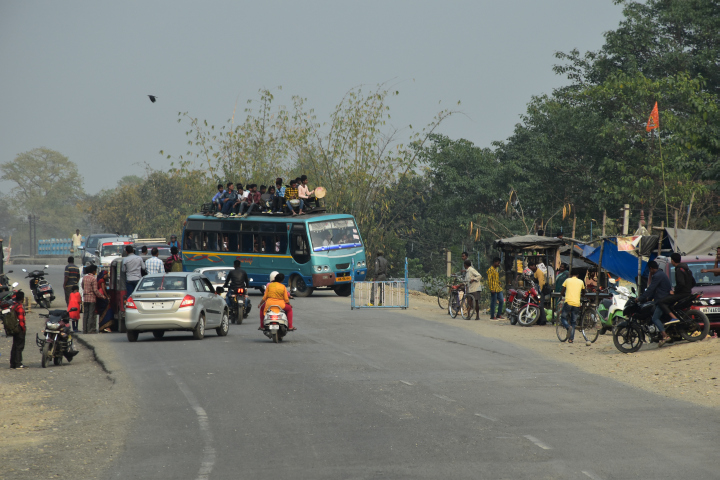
<point>152,98</point>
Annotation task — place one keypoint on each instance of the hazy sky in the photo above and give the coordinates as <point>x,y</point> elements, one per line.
<point>75,75</point>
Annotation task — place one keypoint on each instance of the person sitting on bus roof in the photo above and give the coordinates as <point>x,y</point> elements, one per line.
<point>216,198</point>
<point>266,198</point>
<point>251,203</point>
<point>291,193</point>
<point>279,198</point>
<point>228,199</point>
<point>306,195</point>
<point>241,195</point>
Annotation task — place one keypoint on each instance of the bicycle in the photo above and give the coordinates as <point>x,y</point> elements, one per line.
<point>444,292</point>
<point>457,304</point>
<point>588,324</point>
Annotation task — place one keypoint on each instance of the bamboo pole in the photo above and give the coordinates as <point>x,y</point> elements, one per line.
<point>604,221</point>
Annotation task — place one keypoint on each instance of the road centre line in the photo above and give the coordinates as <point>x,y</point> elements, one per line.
<point>208,458</point>
<point>443,397</point>
<point>486,417</point>
<point>537,442</point>
<point>591,475</point>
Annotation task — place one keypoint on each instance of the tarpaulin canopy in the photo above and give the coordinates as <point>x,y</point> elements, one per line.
<point>528,241</point>
<point>693,242</point>
<point>618,263</point>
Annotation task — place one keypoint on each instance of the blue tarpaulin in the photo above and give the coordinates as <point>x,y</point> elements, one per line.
<point>618,263</point>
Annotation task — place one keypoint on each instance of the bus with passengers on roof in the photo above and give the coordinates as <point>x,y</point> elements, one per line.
<point>313,250</point>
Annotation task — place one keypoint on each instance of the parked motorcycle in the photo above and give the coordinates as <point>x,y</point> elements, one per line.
<point>41,289</point>
<point>275,324</point>
<point>693,326</point>
<point>4,282</point>
<point>611,309</point>
<point>56,341</point>
<point>523,306</point>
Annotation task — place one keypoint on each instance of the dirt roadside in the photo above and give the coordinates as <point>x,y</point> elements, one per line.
<point>69,421</point>
<point>687,371</point>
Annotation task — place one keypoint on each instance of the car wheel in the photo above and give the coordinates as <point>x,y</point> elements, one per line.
<point>199,331</point>
<point>224,327</point>
<point>132,335</point>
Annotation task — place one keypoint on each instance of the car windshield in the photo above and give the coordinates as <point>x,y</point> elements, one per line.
<point>700,278</point>
<point>334,234</point>
<point>111,250</point>
<point>216,276</point>
<point>166,282</point>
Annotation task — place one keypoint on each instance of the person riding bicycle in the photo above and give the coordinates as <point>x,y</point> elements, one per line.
<point>658,290</point>
<point>236,278</point>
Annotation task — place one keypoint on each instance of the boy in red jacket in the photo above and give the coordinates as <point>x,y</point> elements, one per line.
<point>75,301</point>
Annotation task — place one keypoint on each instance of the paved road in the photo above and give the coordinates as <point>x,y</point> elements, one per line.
<point>381,394</point>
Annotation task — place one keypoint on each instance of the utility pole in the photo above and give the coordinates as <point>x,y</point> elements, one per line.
<point>30,235</point>
<point>676,222</point>
<point>626,219</point>
<point>574,223</point>
<point>604,220</point>
<point>449,263</point>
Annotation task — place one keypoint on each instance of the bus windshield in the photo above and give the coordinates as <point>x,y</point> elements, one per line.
<point>334,234</point>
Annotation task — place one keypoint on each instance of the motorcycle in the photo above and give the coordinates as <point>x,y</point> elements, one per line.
<point>41,289</point>
<point>275,324</point>
<point>239,305</point>
<point>523,306</point>
<point>611,310</point>
<point>57,341</point>
<point>4,282</point>
<point>693,326</point>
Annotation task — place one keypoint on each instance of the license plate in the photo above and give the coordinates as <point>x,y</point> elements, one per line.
<point>157,305</point>
<point>274,327</point>
<point>343,279</point>
<point>712,310</point>
<point>47,295</point>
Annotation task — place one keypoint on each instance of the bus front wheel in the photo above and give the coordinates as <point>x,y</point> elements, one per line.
<point>343,290</point>
<point>299,287</point>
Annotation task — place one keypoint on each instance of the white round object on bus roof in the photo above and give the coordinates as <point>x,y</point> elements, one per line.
<point>320,192</point>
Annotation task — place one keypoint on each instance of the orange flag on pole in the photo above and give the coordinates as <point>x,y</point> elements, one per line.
<point>654,120</point>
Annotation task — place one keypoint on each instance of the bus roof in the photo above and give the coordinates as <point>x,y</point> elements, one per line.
<point>275,218</point>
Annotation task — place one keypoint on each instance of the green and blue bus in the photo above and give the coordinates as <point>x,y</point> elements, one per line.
<point>312,251</point>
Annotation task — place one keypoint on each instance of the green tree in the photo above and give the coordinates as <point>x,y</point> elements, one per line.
<point>48,185</point>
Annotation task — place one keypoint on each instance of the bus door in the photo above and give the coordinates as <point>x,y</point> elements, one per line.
<point>299,245</point>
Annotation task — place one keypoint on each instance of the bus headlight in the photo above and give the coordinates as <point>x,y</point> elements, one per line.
<point>326,268</point>
<point>318,268</point>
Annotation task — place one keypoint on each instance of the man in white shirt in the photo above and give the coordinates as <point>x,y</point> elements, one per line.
<point>132,266</point>
<point>473,277</point>
<point>77,243</point>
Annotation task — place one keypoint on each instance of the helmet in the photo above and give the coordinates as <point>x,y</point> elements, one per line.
<point>272,276</point>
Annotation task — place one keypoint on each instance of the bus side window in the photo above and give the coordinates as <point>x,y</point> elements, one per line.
<point>190,240</point>
<point>299,248</point>
<point>247,243</point>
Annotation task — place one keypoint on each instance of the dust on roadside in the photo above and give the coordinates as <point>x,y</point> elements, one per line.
<point>67,421</point>
<point>686,371</point>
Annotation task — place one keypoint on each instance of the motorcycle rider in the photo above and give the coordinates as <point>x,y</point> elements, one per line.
<point>236,278</point>
<point>277,295</point>
<point>261,307</point>
<point>658,290</point>
<point>684,282</point>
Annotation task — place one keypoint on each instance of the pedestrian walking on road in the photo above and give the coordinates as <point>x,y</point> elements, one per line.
<point>154,264</point>
<point>381,266</point>
<point>15,327</point>
<point>77,243</point>
<point>72,278</point>
<point>496,291</point>
<point>90,295</point>
<point>132,266</point>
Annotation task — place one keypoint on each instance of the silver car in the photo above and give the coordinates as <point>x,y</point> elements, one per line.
<point>175,301</point>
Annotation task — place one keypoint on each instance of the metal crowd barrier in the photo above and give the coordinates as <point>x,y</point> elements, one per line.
<point>391,293</point>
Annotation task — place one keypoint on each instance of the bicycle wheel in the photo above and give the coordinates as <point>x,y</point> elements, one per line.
<point>442,298</point>
<point>466,307</point>
<point>561,332</point>
<point>454,305</point>
<point>590,325</point>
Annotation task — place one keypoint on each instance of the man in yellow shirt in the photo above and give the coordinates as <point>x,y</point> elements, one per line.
<point>496,291</point>
<point>572,289</point>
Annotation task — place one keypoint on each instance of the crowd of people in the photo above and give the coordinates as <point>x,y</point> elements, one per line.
<point>296,198</point>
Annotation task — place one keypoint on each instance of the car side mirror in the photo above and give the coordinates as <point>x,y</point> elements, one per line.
<point>97,252</point>
<point>219,290</point>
